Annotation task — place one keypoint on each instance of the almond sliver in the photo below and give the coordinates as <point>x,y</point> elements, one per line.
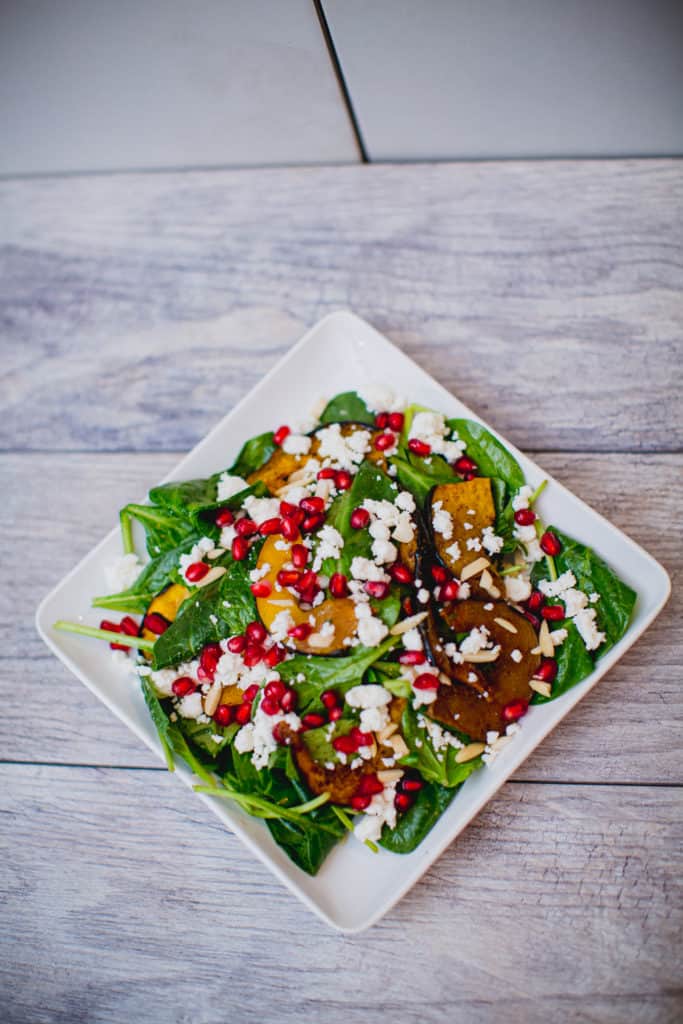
<point>506,624</point>
<point>469,752</point>
<point>474,568</point>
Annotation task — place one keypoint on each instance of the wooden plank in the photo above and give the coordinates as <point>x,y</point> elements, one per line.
<point>626,730</point>
<point>559,902</point>
<point>137,309</point>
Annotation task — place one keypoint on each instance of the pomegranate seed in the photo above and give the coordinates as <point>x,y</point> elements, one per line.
<point>533,619</point>
<point>274,656</point>
<point>184,686</point>
<point>401,573</point>
<point>384,441</point>
<point>525,516</point>
<point>470,475</point>
<point>313,720</point>
<point>246,527</point>
<point>342,480</point>
<point>119,647</point>
<point>312,522</point>
<point>239,549</point>
<point>359,803</point>
<point>269,707</point>
<point>274,689</point>
<point>361,739</point>
<point>418,447</point>
<point>312,504</point>
<point>280,734</point>
<point>329,699</point>
<point>300,632</point>
<point>111,627</point>
<point>408,606</point>
<point>439,574</point>
<point>297,517</point>
<point>156,623</point>
<point>224,517</point>
<point>269,526</point>
<point>426,681</point>
<point>550,544</point>
<point>553,612</point>
<point>465,465</point>
<point>288,577</point>
<point>250,693</point>
<point>411,785</point>
<point>449,591</point>
<point>209,659</point>
<point>307,579</point>
<point>256,632</point>
<point>377,589</point>
<point>369,785</point>
<point>514,710</point>
<point>308,595</point>
<point>281,433</point>
<point>299,555</point>
<point>547,670</point>
<point>287,509</point>
<point>129,626</point>
<point>223,715</point>
<point>412,658</point>
<point>335,714</point>
<point>536,601</point>
<point>396,420</point>
<point>236,644</point>
<point>288,700</point>
<point>382,420</point>
<point>338,585</point>
<point>253,654</point>
<point>326,474</point>
<point>290,529</point>
<point>403,802</point>
<point>345,744</point>
<point>243,714</point>
<point>360,517</point>
<point>196,572</point>
<point>261,589</point>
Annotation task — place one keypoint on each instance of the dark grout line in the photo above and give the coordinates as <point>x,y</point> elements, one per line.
<point>341,81</point>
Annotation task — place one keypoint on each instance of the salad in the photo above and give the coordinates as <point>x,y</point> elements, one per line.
<point>337,630</point>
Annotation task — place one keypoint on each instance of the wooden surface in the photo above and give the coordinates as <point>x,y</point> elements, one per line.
<point>134,311</point>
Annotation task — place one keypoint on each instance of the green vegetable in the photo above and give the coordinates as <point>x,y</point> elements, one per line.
<point>369,482</point>
<point>319,743</point>
<point>322,673</point>
<point>419,820</point>
<point>419,477</point>
<point>347,407</point>
<point>574,663</point>
<point>254,454</point>
<point>441,766</point>
<point>492,457</point>
<point>161,722</point>
<point>154,577</point>
<point>103,634</point>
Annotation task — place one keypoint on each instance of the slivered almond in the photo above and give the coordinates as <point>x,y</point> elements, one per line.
<point>535,650</point>
<point>216,553</point>
<point>318,641</point>
<point>406,624</point>
<point>538,686</point>
<point>212,699</point>
<point>475,567</point>
<point>469,752</point>
<point>279,603</point>
<point>388,730</point>
<point>398,745</point>
<point>506,624</point>
<point>212,574</point>
<point>323,489</point>
<point>390,775</point>
<point>545,640</point>
<point>482,657</point>
<point>373,749</point>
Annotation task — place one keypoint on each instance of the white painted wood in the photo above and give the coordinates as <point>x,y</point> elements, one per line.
<point>450,79</point>
<point>546,296</point>
<point>93,86</point>
<point>128,902</point>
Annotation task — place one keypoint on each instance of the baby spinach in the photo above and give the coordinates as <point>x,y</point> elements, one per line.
<point>574,663</point>
<point>418,476</point>
<point>348,407</point>
<point>434,766</point>
<point>161,722</point>
<point>492,457</point>
<point>319,743</point>
<point>154,577</point>
<point>412,826</point>
<point>254,454</point>
<point>369,482</point>
<point>321,673</point>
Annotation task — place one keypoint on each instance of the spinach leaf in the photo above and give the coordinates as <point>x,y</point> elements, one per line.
<point>574,663</point>
<point>323,673</point>
<point>419,476</point>
<point>413,826</point>
<point>492,457</point>
<point>184,496</point>
<point>209,614</point>
<point>347,407</point>
<point>200,734</point>
<point>254,454</point>
<point>164,528</point>
<point>320,744</point>
<point>434,766</point>
<point>154,577</point>
<point>369,482</point>
<point>161,722</point>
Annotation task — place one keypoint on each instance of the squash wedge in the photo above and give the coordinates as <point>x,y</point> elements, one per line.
<point>166,603</point>
<point>340,613</point>
<point>468,502</point>
<point>507,679</point>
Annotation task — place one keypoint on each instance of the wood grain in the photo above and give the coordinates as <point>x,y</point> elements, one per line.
<point>555,284</point>
<point>142,905</point>
<point>626,730</point>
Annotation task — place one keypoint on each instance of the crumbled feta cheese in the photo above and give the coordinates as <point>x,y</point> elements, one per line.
<point>521,499</point>
<point>439,738</point>
<point>342,452</point>
<point>123,662</point>
<point>473,544</point>
<point>558,636</point>
<point>122,573</point>
<point>517,588</point>
<point>365,569</point>
<point>491,541</point>
<point>296,444</point>
<point>534,552</point>
<point>190,706</point>
<point>593,598</point>
<point>370,695</point>
<point>229,485</point>
<point>478,639</point>
<point>574,601</point>
<point>260,509</point>
<point>588,630</point>
<point>405,501</point>
<point>280,625</point>
<point>384,552</point>
<point>454,551</point>
<point>259,572</point>
<point>379,530</point>
<point>330,544</point>
<point>516,655</point>
<point>431,428</point>
<point>423,595</point>
<point>442,520</point>
<point>264,742</point>
<point>379,398</point>
<point>412,639</point>
<point>228,534</point>
<point>525,534</point>
<point>553,588</point>
<point>244,739</point>
<point>371,630</point>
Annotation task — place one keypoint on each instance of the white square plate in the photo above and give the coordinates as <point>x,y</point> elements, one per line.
<point>354,888</point>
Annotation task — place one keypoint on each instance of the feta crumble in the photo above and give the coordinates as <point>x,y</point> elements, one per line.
<point>122,573</point>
